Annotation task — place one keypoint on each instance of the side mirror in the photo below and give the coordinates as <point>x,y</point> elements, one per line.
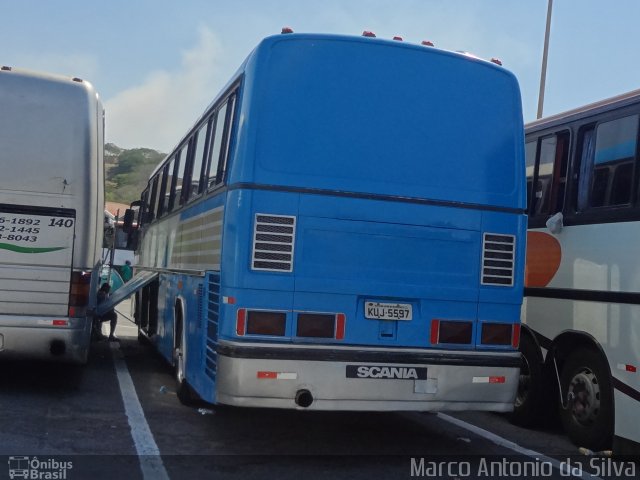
<point>554,223</point>
<point>129,216</point>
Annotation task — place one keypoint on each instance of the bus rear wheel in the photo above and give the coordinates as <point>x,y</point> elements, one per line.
<point>528,405</point>
<point>586,387</point>
<point>185,393</point>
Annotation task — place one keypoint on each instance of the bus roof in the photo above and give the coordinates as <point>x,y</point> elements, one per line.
<point>449,121</point>
<point>590,109</point>
<point>46,77</point>
<point>46,129</point>
<point>374,115</point>
<point>266,43</point>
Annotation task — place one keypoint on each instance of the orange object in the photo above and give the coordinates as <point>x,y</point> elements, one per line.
<point>543,259</point>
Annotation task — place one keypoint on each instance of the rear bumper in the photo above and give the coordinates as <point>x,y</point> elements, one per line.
<point>256,375</point>
<point>37,338</point>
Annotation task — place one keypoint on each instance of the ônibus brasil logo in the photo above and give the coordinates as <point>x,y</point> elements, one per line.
<point>36,469</point>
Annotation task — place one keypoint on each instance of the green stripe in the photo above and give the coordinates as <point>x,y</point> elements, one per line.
<point>15,248</point>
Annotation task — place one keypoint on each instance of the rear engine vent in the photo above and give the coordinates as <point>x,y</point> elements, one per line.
<point>273,242</point>
<point>498,258</point>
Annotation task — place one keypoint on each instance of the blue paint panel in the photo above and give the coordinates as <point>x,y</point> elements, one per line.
<point>202,365</point>
<point>272,300</point>
<point>406,142</point>
<point>242,206</point>
<point>205,206</point>
<point>382,259</point>
<point>166,295</point>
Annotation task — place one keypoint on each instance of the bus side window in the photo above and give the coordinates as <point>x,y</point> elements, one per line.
<point>177,193</point>
<point>607,163</point>
<point>162,194</point>
<point>144,207</point>
<point>545,175</point>
<point>216,146</point>
<point>201,141</point>
<point>614,161</point>
<point>582,181</point>
<point>169,187</point>
<point>224,157</point>
<point>154,194</point>
<point>187,153</point>
<point>561,164</point>
<point>551,176</point>
<point>530,151</point>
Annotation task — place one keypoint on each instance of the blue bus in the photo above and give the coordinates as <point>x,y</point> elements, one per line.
<point>342,229</point>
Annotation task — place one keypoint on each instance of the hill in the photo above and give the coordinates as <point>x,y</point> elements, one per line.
<point>127,171</point>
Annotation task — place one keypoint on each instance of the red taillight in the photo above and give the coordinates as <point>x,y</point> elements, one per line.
<point>398,38</point>
<point>79,291</point>
<point>368,33</point>
<point>60,323</point>
<point>266,323</point>
<point>427,43</point>
<point>320,325</point>
<point>515,339</point>
<point>341,320</point>
<point>451,331</point>
<point>497,333</point>
<point>435,329</point>
<point>241,321</point>
<point>316,325</point>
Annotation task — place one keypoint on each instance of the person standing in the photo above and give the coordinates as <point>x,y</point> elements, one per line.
<point>125,271</point>
<point>111,316</point>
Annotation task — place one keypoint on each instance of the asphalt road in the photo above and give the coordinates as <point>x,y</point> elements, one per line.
<point>119,417</point>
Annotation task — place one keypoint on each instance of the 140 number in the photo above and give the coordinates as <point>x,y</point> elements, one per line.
<point>61,222</point>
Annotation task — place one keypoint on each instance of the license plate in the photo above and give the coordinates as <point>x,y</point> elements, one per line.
<point>388,311</point>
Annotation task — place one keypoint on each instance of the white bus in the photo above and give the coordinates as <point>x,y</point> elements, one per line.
<point>51,214</point>
<point>581,341</point>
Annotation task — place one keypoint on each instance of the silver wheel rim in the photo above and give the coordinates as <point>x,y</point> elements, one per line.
<point>524,384</point>
<point>585,393</point>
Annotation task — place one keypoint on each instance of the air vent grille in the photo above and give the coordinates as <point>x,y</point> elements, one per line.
<point>273,243</point>
<point>498,259</point>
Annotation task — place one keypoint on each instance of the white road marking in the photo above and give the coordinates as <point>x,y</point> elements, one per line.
<point>146,448</point>
<point>503,442</point>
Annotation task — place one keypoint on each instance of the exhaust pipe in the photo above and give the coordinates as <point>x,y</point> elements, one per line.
<point>57,348</point>
<point>304,398</point>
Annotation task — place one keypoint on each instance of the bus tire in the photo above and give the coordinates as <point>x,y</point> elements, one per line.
<point>143,339</point>
<point>185,393</point>
<point>528,406</point>
<point>588,417</point>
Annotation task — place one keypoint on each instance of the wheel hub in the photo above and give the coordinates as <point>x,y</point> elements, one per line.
<point>585,394</point>
<point>524,383</point>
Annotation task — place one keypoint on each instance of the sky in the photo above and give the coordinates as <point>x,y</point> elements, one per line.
<point>157,64</point>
